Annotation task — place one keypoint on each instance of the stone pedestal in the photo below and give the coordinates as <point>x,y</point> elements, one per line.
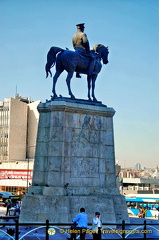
<point>74,165</point>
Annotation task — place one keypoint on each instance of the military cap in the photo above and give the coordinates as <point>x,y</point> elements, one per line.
<point>97,213</point>
<point>80,25</point>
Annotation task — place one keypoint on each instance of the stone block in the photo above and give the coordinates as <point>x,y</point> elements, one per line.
<point>84,167</point>
<point>41,149</point>
<point>44,120</point>
<point>110,153</point>
<point>42,164</point>
<point>109,138</point>
<point>56,134</point>
<point>43,134</point>
<point>110,167</point>
<point>67,136</point>
<point>55,164</point>
<point>102,165</point>
<point>85,182</point>
<point>110,179</point>
<point>72,120</point>
<point>66,166</point>
<point>57,119</point>
<point>53,191</point>
<point>102,151</point>
<point>55,149</point>
<point>55,179</point>
<point>39,178</point>
<point>37,190</point>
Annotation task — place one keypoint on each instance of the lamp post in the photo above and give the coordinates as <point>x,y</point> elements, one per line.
<point>28,169</point>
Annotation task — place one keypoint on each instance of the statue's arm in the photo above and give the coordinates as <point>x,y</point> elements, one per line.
<point>73,42</point>
<point>85,42</point>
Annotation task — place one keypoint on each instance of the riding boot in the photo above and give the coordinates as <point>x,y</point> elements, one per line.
<point>91,68</point>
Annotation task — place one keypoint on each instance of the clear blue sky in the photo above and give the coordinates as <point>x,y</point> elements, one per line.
<point>129,83</point>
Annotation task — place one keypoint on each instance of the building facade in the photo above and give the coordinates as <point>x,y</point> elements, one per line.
<point>145,181</point>
<point>18,129</point>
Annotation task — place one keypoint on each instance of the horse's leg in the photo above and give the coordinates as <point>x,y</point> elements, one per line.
<point>89,86</point>
<point>68,81</point>
<point>57,74</point>
<point>93,87</point>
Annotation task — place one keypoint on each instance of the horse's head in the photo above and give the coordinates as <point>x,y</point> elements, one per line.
<point>102,51</point>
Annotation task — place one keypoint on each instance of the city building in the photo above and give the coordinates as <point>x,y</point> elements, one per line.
<point>156,173</point>
<point>18,129</point>
<point>144,181</point>
<point>139,186</point>
<point>138,166</point>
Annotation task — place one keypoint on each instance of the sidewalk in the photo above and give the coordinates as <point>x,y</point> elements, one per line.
<point>141,220</point>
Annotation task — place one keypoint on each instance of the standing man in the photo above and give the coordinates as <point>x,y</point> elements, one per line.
<point>97,226</point>
<point>17,208</point>
<point>81,45</point>
<point>82,220</point>
<point>8,205</point>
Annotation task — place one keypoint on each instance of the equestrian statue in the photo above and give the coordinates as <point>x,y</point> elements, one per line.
<point>82,61</point>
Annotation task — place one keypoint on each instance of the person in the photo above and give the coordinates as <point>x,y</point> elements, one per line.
<point>82,220</point>
<point>81,45</point>
<point>17,208</point>
<point>8,205</point>
<point>97,226</point>
<point>141,213</point>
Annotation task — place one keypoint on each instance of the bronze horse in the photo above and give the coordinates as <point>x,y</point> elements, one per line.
<point>71,62</point>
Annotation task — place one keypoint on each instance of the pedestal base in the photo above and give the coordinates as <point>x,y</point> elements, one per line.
<point>74,165</point>
<point>62,209</point>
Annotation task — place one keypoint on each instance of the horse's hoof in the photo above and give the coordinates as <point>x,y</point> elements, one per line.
<point>73,97</point>
<point>95,100</point>
<point>53,97</point>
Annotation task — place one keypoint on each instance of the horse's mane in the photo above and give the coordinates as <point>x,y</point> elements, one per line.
<point>97,46</point>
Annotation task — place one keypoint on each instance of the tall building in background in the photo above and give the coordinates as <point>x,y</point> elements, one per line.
<point>137,166</point>
<point>18,129</point>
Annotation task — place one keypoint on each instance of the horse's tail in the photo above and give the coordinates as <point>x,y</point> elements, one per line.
<point>51,59</point>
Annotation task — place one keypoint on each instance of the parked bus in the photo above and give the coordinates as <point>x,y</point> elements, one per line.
<point>146,203</point>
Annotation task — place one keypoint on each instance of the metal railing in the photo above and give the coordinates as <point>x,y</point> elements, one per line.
<point>122,230</point>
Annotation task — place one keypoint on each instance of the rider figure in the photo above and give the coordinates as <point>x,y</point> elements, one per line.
<point>81,45</point>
